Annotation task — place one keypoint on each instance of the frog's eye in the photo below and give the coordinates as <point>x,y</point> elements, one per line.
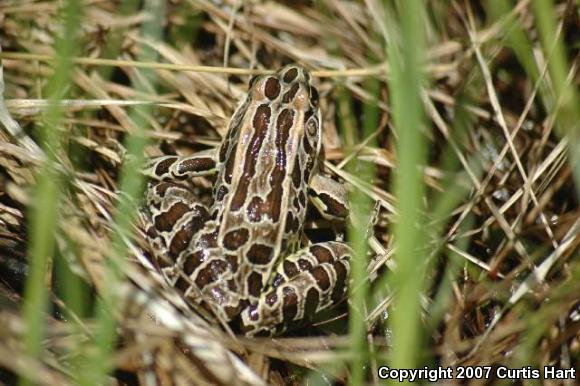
<point>311,139</point>
<point>312,127</point>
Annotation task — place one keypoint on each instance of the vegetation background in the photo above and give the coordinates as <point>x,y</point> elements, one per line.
<point>455,124</point>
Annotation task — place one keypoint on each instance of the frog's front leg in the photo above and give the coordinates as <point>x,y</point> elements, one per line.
<point>305,283</point>
<point>173,213</point>
<point>178,168</point>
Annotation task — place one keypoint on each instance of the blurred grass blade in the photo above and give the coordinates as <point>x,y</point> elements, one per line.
<point>409,189</point>
<point>131,188</point>
<point>44,215</point>
<point>567,109</point>
<point>359,227</point>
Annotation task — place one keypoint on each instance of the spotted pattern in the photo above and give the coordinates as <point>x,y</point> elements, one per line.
<point>244,262</point>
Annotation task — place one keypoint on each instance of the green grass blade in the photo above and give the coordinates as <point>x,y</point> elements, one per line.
<point>567,111</point>
<point>44,215</point>
<point>409,189</point>
<point>130,191</point>
<point>360,224</point>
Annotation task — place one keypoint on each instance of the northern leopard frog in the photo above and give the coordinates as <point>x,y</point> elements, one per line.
<point>242,257</point>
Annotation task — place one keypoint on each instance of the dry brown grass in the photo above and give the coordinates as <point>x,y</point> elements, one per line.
<point>501,207</point>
